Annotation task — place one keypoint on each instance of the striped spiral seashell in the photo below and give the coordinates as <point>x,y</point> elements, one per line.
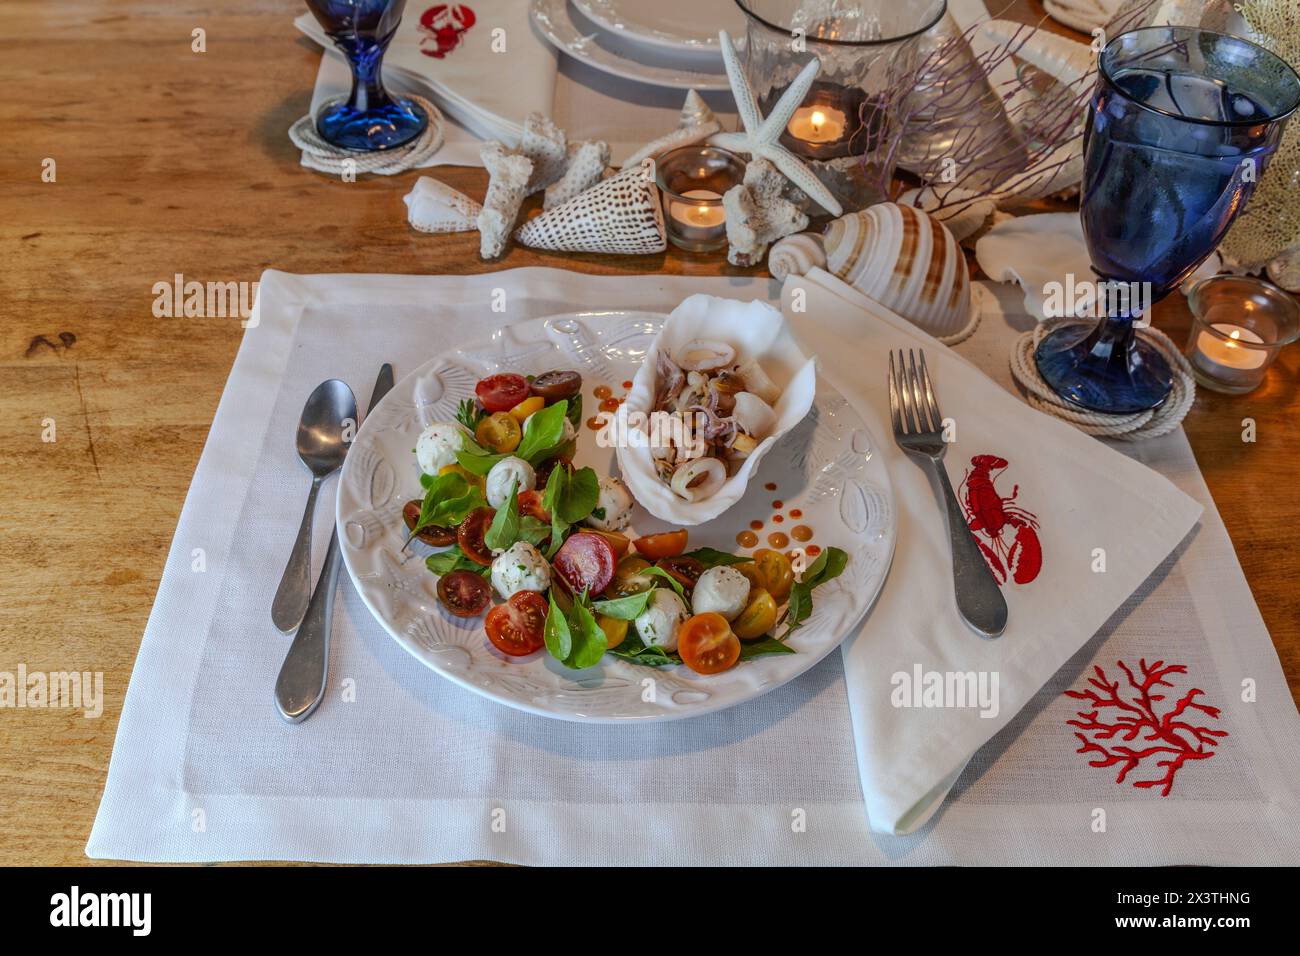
<point>907,261</point>
<point>796,255</point>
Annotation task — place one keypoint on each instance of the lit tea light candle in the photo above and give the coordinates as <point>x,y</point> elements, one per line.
<point>692,217</point>
<point>1228,354</point>
<point>817,124</point>
<point>693,180</point>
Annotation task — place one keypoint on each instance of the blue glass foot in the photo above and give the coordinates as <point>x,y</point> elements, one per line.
<point>1104,368</point>
<point>394,123</point>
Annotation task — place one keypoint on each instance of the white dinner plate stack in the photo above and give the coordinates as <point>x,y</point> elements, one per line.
<point>667,43</point>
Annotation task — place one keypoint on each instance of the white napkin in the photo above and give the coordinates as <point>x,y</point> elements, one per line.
<point>1092,505</point>
<point>488,77</point>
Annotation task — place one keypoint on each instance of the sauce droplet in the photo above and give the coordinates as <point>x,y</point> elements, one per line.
<point>603,391</point>
<point>777,539</point>
<point>595,423</point>
<point>812,550</point>
<point>609,405</point>
<point>756,525</point>
<point>627,384</point>
<point>796,513</point>
<point>746,539</point>
<point>770,486</point>
<point>777,518</point>
<point>801,532</point>
<point>778,504</point>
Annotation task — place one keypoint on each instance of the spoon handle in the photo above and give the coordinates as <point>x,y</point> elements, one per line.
<point>301,684</point>
<point>290,602</point>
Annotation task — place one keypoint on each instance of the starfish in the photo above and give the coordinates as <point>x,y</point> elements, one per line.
<point>762,135</point>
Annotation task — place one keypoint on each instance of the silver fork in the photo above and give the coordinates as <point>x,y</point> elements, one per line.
<point>918,430</point>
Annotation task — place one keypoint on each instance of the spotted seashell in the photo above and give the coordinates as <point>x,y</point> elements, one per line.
<point>907,261</point>
<point>796,255</point>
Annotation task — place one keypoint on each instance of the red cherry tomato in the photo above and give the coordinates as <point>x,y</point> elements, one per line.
<point>686,571</point>
<point>516,627</point>
<point>585,562</point>
<point>530,503</point>
<point>470,535</point>
<point>666,544</point>
<point>430,534</point>
<point>707,644</point>
<point>464,593</point>
<point>500,393</point>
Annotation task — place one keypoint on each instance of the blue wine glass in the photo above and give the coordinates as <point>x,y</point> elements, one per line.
<point>370,119</point>
<point>1181,126</point>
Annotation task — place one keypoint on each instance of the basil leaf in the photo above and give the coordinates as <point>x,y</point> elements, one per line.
<point>580,494</point>
<point>676,585</point>
<point>589,641</point>
<point>574,414</point>
<point>533,530</point>
<point>555,485</point>
<point>477,462</point>
<point>559,642</point>
<point>828,566</point>
<point>763,647</point>
<point>638,653</point>
<point>453,559</point>
<point>544,430</point>
<point>505,524</point>
<point>624,608</point>
<point>712,557</point>
<point>447,500</point>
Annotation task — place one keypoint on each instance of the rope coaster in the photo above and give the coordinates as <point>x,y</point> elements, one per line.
<point>1135,427</point>
<point>327,158</point>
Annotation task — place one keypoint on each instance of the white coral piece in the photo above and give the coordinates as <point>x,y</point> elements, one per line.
<point>758,215</point>
<point>547,146</point>
<point>586,167</point>
<point>509,174</point>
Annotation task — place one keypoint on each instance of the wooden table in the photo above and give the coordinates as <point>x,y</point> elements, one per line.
<point>171,161</point>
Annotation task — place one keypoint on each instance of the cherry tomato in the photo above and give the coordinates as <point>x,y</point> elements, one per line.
<point>516,627</point>
<point>431,534</point>
<point>470,535</point>
<point>499,432</point>
<point>630,577</point>
<point>617,540</point>
<point>464,593</point>
<point>553,386</point>
<point>666,544</point>
<point>615,630</point>
<point>500,393</point>
<point>533,403</point>
<point>707,644</point>
<point>530,503</point>
<point>758,617</point>
<point>776,572</point>
<point>686,571</point>
<point>586,563</point>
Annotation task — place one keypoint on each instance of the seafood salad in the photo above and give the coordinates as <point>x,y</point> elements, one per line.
<point>544,551</point>
<point>712,413</point>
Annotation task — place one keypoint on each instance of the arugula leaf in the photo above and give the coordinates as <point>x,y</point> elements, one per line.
<point>828,566</point>
<point>632,649</point>
<point>579,496</point>
<point>469,414</point>
<point>712,557</point>
<point>555,485</point>
<point>559,642</point>
<point>476,460</point>
<point>763,647</point>
<point>453,559</point>
<point>448,499</point>
<point>624,608</point>
<point>533,530</point>
<point>676,585</point>
<point>589,641</point>
<point>543,432</point>
<point>505,524</point>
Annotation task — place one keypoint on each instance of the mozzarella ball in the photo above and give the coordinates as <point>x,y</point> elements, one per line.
<point>437,446</point>
<point>663,615</point>
<point>520,567</point>
<point>721,589</point>
<point>614,504</point>
<point>504,475</point>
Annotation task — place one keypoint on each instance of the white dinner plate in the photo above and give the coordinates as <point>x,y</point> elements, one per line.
<point>608,52</point>
<point>681,26</point>
<point>826,467</point>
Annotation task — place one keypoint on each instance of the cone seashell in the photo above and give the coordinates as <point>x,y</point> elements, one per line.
<point>586,166</point>
<point>620,214</point>
<point>507,186</point>
<point>907,261</point>
<point>433,206</point>
<point>695,112</point>
<point>547,146</point>
<point>697,123</point>
<point>796,256</point>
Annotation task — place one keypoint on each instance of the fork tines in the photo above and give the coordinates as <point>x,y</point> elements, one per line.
<point>912,404</point>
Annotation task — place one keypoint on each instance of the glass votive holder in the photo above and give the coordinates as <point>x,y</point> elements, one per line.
<point>693,179</point>
<point>1239,324</point>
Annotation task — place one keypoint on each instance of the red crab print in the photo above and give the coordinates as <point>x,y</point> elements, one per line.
<point>443,28</point>
<point>992,518</point>
<point>1135,716</point>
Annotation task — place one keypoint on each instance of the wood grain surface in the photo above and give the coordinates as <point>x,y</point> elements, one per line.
<point>170,161</point>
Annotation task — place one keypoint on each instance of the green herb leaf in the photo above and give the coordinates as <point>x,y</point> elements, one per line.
<point>453,559</point>
<point>579,496</point>
<point>632,649</point>
<point>589,641</point>
<point>542,433</point>
<point>469,414</point>
<point>712,557</point>
<point>477,461</point>
<point>448,499</point>
<point>762,647</point>
<point>505,524</point>
<point>559,642</point>
<point>676,585</point>
<point>533,530</point>
<point>574,414</point>
<point>828,566</point>
<point>555,486</point>
<point>624,608</point>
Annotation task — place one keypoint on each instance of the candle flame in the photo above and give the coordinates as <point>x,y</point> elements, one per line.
<point>818,118</point>
<point>1233,337</point>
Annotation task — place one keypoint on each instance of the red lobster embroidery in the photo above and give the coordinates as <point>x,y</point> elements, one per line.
<point>443,28</point>
<point>990,516</point>
<point>1171,734</point>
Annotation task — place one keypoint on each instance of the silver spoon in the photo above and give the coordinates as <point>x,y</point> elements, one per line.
<point>329,420</point>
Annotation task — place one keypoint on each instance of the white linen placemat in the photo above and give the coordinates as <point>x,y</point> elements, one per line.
<point>400,766</point>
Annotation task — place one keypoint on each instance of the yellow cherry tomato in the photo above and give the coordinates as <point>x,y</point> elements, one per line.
<point>758,617</point>
<point>534,403</point>
<point>614,628</point>
<point>475,481</point>
<point>499,432</point>
<point>776,572</point>
<point>617,540</point>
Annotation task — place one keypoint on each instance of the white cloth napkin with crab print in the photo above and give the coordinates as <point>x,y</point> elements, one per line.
<point>1071,526</point>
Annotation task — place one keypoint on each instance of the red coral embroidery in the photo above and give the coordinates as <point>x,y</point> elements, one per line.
<point>1137,717</point>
